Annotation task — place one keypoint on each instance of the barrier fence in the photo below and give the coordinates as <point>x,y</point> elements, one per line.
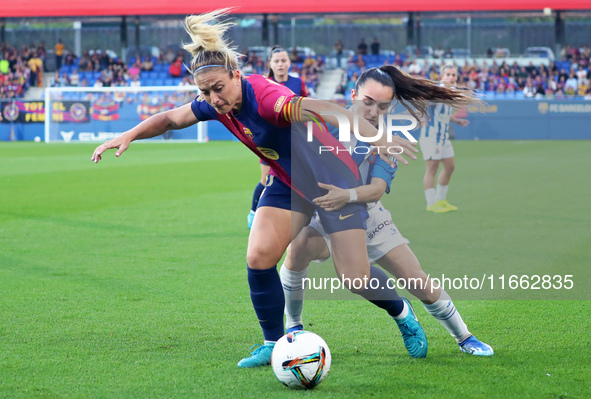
<point>494,120</point>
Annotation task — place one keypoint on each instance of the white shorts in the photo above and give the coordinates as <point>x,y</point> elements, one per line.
<point>381,235</point>
<point>436,151</point>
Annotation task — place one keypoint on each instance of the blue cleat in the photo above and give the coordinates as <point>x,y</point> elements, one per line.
<point>299,327</point>
<point>261,356</point>
<point>475,347</point>
<point>250,218</point>
<point>413,334</point>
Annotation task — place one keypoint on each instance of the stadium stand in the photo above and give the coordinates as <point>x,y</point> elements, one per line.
<point>20,69</point>
<point>506,78</point>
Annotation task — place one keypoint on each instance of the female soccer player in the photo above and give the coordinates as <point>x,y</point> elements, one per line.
<point>372,97</point>
<point>279,65</point>
<point>263,114</point>
<point>437,148</point>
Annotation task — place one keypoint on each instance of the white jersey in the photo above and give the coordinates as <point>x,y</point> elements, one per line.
<point>434,140</point>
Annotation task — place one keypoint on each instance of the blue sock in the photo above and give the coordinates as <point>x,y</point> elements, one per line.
<point>256,195</point>
<point>383,296</point>
<point>267,298</point>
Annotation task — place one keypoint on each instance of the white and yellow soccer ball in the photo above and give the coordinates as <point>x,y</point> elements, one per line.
<point>301,360</point>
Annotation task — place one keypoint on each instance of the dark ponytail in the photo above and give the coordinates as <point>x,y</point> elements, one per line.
<point>414,93</point>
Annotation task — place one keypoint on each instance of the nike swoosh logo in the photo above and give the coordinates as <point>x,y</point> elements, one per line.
<point>341,217</point>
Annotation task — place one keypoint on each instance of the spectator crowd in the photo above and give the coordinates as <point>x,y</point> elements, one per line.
<point>568,78</point>
<point>99,69</point>
<point>20,69</point>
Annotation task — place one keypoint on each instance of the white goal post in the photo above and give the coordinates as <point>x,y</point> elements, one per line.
<point>97,114</point>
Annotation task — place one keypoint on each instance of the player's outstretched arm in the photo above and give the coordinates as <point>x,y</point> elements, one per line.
<point>366,129</point>
<point>155,125</point>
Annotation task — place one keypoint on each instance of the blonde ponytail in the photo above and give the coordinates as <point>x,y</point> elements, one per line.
<point>208,46</point>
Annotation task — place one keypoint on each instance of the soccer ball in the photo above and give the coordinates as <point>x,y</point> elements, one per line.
<point>301,360</point>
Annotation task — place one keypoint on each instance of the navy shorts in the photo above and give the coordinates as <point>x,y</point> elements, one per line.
<point>279,195</point>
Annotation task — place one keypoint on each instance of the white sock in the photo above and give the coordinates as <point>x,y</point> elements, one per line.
<point>402,314</point>
<point>293,290</point>
<point>430,196</point>
<point>441,192</point>
<point>270,342</point>
<point>447,314</point>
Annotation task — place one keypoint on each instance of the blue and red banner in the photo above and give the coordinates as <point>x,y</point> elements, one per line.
<point>34,111</point>
<point>22,111</point>
<point>146,110</point>
<point>105,110</point>
<point>70,111</point>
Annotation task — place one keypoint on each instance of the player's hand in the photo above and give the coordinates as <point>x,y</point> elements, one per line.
<point>398,147</point>
<point>334,200</point>
<point>463,122</point>
<point>121,143</point>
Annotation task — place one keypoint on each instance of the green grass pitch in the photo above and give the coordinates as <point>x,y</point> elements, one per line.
<point>127,279</point>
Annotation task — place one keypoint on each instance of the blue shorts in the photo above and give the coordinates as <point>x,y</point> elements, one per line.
<point>279,195</point>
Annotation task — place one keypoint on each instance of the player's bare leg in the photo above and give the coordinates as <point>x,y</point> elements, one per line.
<point>402,263</point>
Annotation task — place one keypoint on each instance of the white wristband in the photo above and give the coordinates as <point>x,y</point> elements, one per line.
<point>352,195</point>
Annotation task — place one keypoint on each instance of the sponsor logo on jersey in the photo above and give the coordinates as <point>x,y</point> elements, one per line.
<point>247,132</point>
<point>269,153</point>
<point>371,234</point>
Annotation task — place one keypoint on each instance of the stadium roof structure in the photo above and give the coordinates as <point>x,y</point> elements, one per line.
<point>80,8</point>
